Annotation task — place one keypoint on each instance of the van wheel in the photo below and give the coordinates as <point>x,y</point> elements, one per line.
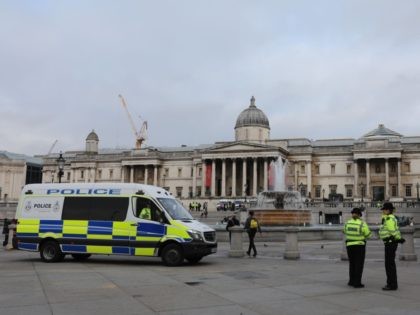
<point>80,257</point>
<point>194,259</point>
<point>51,252</point>
<point>172,255</point>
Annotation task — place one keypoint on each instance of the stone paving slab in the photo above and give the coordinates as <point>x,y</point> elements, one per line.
<point>267,284</point>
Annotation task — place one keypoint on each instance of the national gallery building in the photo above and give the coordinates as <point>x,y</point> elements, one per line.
<point>380,165</point>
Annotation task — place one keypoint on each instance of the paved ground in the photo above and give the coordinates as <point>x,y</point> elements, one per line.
<point>315,284</point>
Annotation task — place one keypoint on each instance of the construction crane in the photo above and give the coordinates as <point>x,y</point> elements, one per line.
<point>52,147</point>
<point>140,135</point>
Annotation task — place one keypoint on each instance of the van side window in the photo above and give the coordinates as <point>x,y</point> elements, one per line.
<point>95,208</point>
<point>146,209</point>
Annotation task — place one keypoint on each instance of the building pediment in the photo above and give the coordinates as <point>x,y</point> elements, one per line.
<point>243,150</point>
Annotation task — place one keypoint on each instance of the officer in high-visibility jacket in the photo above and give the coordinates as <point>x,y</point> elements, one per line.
<point>356,231</point>
<point>391,236</point>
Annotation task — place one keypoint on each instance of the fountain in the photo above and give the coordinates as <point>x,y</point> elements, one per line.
<point>277,206</point>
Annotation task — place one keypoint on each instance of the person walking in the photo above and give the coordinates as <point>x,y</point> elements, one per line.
<point>6,223</point>
<point>252,226</point>
<point>356,232</point>
<point>390,234</point>
<point>233,221</point>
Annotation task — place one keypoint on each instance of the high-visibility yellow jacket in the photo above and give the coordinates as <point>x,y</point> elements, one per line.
<point>146,214</point>
<point>356,231</point>
<point>389,230</point>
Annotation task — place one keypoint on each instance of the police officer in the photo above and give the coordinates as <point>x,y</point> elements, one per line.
<point>356,231</point>
<point>391,236</point>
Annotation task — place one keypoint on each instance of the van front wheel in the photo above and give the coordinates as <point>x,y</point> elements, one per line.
<point>51,252</point>
<point>172,255</point>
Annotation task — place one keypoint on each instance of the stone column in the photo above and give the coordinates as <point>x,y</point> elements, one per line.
<point>12,228</point>
<point>155,175</point>
<point>131,174</point>
<point>223,193</point>
<point>244,176</point>
<point>87,174</point>
<point>309,178</point>
<point>236,245</point>
<point>233,177</point>
<point>386,180</point>
<point>399,178</point>
<point>343,255</point>
<point>265,175</point>
<point>407,249</point>
<point>254,179</point>
<point>367,179</point>
<point>146,174</point>
<point>122,174</point>
<point>292,247</point>
<point>194,181</point>
<point>203,179</point>
<point>296,183</point>
<point>71,176</point>
<point>356,179</point>
<point>213,178</point>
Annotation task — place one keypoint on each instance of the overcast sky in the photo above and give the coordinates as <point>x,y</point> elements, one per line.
<point>318,69</point>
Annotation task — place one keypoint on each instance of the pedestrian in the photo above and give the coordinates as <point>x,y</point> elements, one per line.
<point>233,221</point>
<point>252,226</point>
<point>356,231</point>
<point>390,234</point>
<point>6,223</point>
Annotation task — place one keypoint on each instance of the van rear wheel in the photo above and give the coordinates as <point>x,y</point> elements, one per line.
<point>51,252</point>
<point>80,257</point>
<point>172,255</point>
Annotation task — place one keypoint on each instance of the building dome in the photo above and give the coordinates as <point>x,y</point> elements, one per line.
<point>92,136</point>
<point>252,116</point>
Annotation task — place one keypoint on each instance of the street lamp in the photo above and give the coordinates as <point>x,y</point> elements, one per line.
<point>417,186</point>
<point>60,162</point>
<point>362,190</point>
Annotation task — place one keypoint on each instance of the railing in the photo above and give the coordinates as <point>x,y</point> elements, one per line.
<point>358,204</point>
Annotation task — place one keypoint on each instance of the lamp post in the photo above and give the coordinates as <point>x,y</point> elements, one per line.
<point>60,162</point>
<point>362,190</point>
<point>417,186</point>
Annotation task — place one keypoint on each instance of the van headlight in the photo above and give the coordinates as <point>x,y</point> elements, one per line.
<point>195,235</point>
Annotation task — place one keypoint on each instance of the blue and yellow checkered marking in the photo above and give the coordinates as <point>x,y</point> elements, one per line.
<point>101,237</point>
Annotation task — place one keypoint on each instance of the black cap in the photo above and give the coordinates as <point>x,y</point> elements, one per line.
<point>388,206</point>
<point>357,211</point>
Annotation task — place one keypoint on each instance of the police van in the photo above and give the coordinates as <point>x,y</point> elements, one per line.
<point>109,218</point>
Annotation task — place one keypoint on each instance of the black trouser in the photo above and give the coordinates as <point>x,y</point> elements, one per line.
<point>6,239</point>
<point>390,267</point>
<point>356,254</point>
<point>251,235</point>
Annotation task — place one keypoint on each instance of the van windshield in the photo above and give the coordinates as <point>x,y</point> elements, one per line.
<point>175,209</point>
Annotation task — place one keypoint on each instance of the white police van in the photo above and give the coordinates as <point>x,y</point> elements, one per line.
<point>109,218</point>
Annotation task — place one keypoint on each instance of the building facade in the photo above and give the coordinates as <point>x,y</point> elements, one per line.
<point>16,170</point>
<point>380,165</point>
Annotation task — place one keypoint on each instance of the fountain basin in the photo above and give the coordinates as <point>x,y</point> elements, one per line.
<point>280,217</point>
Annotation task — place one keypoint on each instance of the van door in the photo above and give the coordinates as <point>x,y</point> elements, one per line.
<point>146,233</point>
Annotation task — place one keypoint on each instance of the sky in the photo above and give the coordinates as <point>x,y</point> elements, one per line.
<point>318,70</point>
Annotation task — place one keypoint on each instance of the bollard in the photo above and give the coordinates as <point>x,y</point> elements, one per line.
<point>407,249</point>
<point>292,249</point>
<point>344,255</point>
<point>236,248</point>
<point>12,228</point>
